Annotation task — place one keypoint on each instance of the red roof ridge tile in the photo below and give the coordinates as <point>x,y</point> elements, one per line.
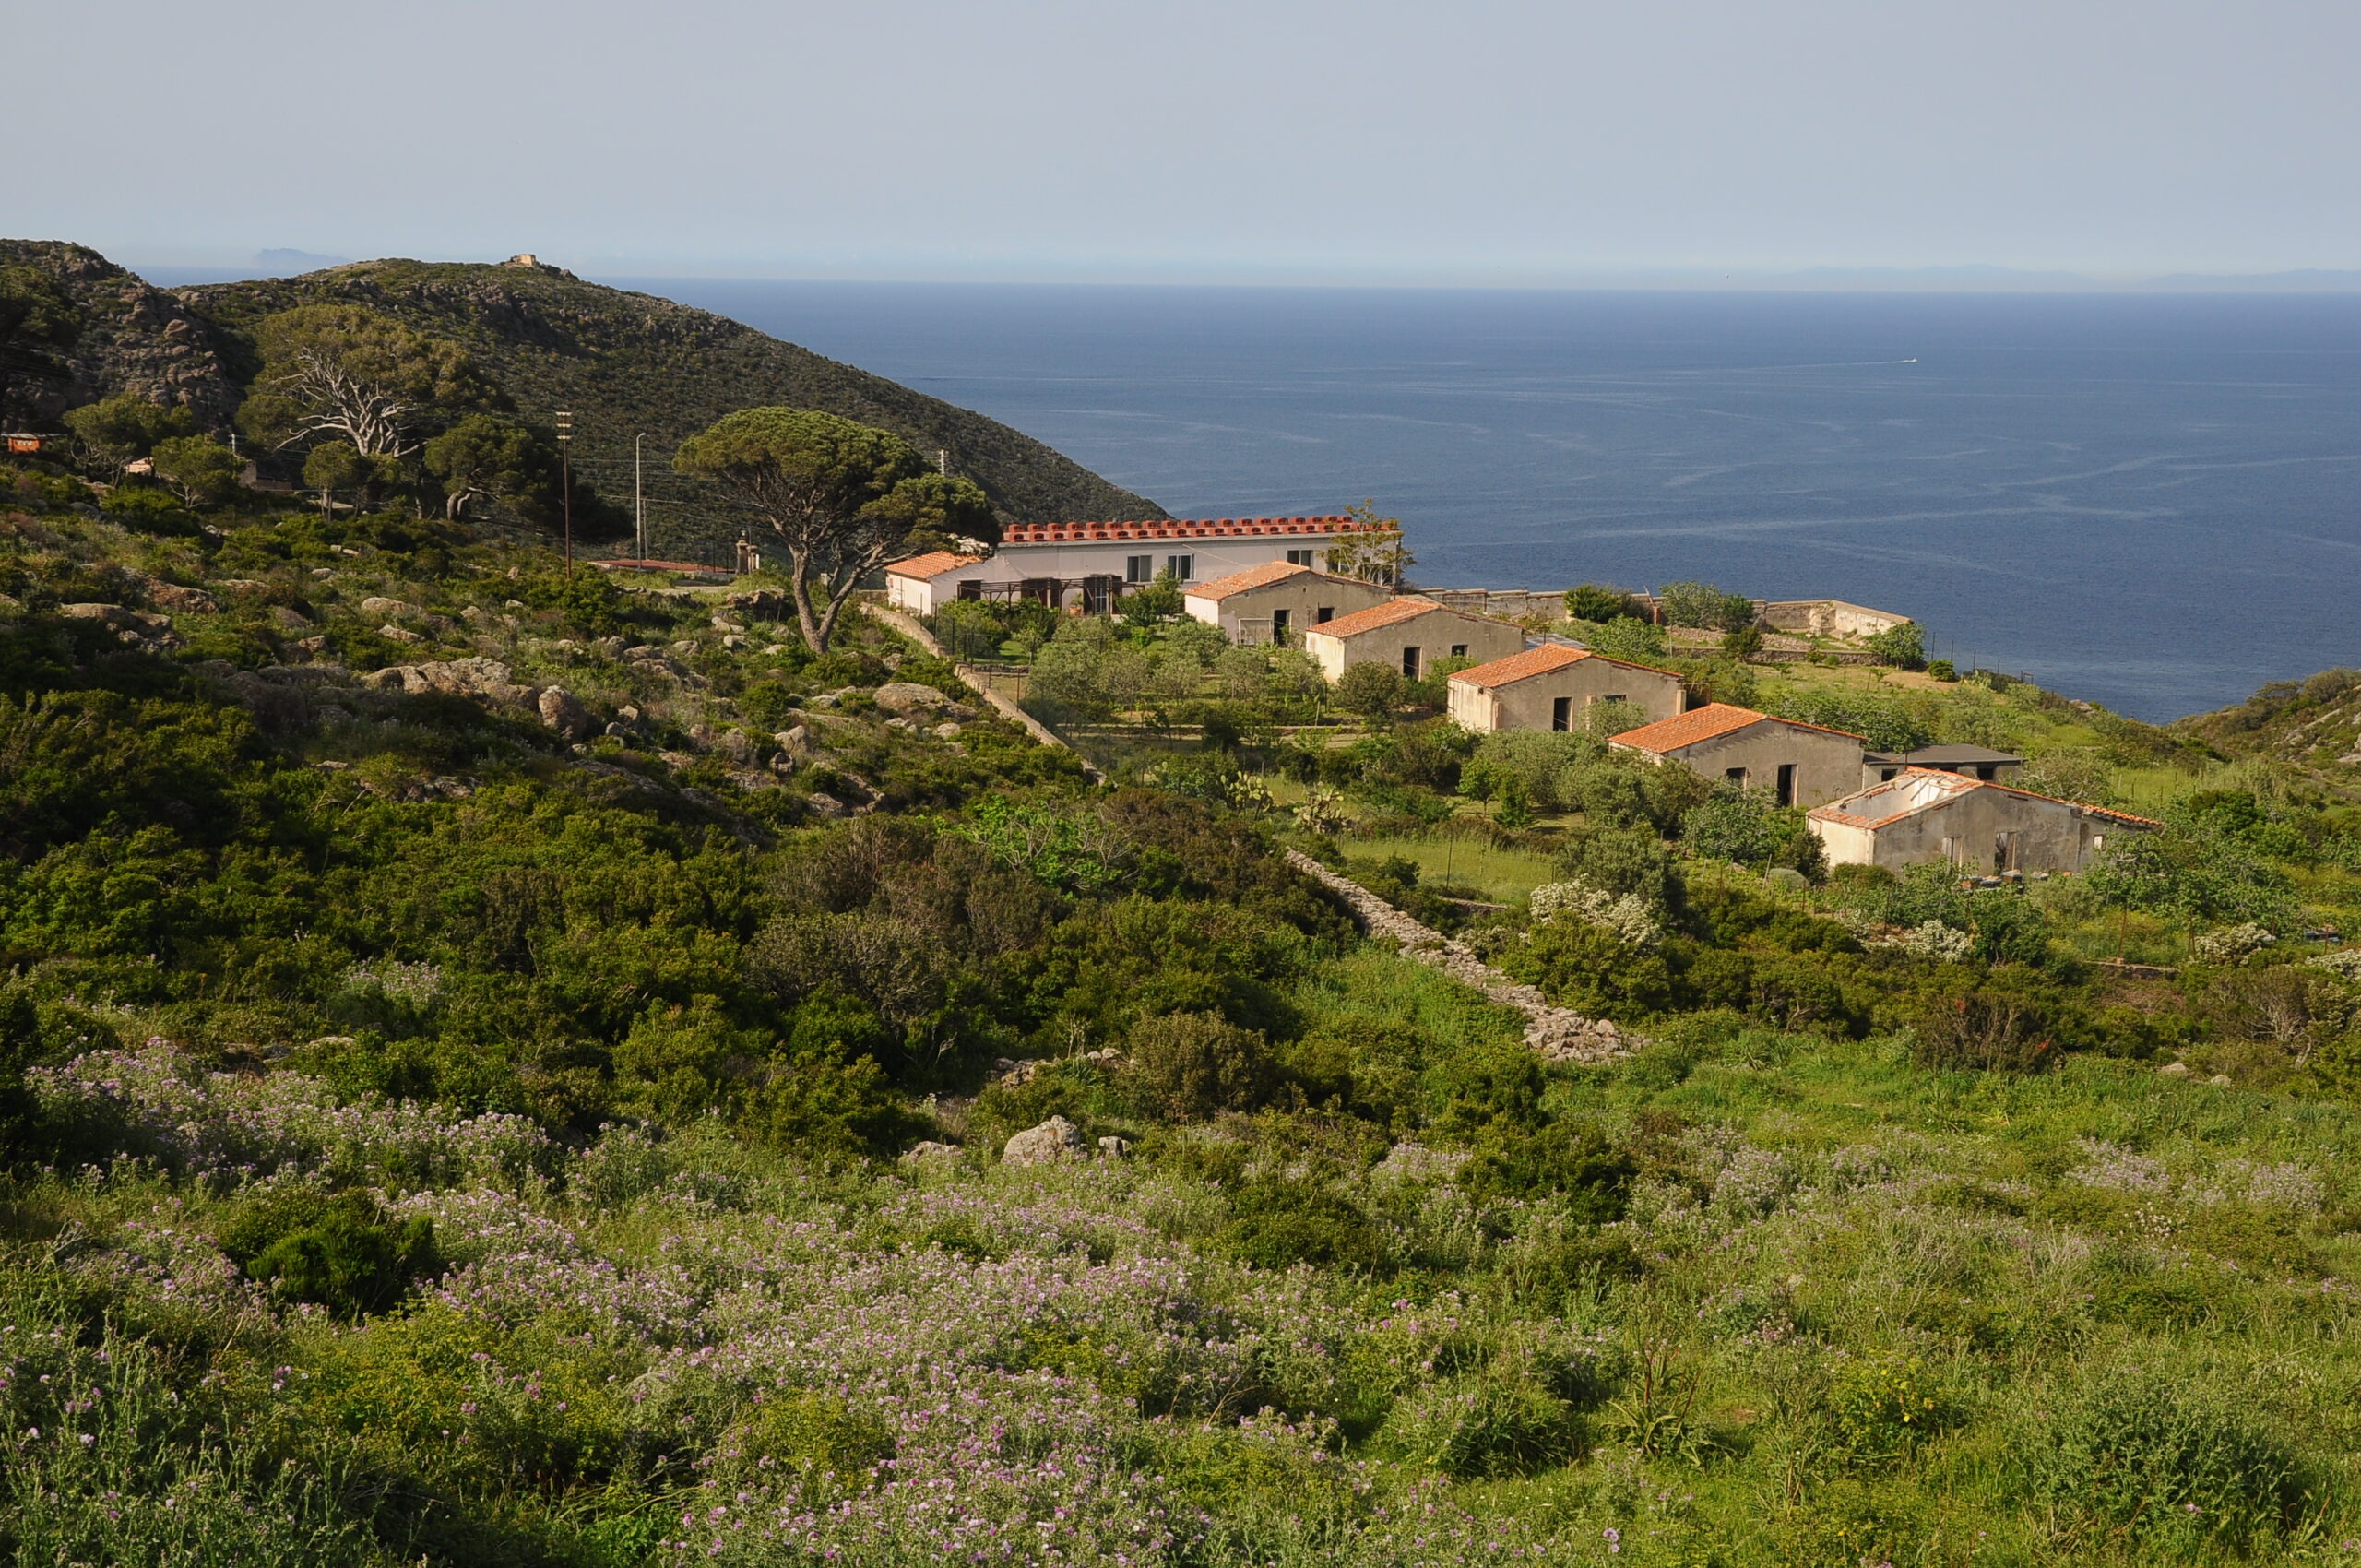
<point>1251,577</point>
<point>1377,615</point>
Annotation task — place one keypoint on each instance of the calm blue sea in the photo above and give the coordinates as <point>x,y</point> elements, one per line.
<point>2147,500</point>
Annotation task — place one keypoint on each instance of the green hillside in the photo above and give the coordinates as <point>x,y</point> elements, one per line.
<point>623,363</point>
<point>500,1069</point>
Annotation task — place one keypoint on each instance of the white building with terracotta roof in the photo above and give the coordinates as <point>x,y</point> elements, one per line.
<point>1409,632</point>
<point>1278,601</point>
<point>1552,686</point>
<point>1090,565</point>
<point>1924,816</point>
<point>1801,765</point>
<point>911,585</point>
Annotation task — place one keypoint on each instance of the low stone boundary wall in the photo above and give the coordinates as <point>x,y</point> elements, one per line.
<point>1559,1035</point>
<point>909,626</point>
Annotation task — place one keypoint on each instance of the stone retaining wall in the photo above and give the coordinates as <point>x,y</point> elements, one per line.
<point>1559,1035</point>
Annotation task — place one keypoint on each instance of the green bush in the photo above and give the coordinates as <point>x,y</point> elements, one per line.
<point>342,1252</point>
<point>1494,1425</point>
<point>1187,1066</point>
<point>1278,1222</point>
<point>1703,605</point>
<point>1596,602</point>
<point>2146,1451</point>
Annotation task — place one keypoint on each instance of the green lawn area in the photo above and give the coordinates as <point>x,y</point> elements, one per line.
<point>1507,875</point>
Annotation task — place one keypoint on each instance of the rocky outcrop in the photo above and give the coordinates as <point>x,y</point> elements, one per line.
<point>129,337</point>
<point>486,678</point>
<point>1557,1033</point>
<point>564,712</point>
<point>1054,1142</point>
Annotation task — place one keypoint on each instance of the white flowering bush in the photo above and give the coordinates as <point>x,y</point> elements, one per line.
<point>2233,944</point>
<point>1628,918</point>
<point>1933,939</point>
<point>2344,964</point>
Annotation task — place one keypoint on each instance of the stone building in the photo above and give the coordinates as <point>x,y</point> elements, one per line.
<point>1923,816</point>
<point>1801,765</point>
<point>1551,687</point>
<point>1409,634</point>
<point>1278,601</point>
<point>1090,565</point>
<point>923,584</point>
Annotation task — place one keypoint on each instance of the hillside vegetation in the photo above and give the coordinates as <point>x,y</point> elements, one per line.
<point>623,363</point>
<point>504,1068</point>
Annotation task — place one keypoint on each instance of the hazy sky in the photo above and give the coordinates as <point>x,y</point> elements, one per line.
<point>1486,141</point>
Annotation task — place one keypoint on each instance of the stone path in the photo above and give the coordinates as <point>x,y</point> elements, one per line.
<point>1559,1035</point>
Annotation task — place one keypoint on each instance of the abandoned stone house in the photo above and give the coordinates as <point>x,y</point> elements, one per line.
<point>1410,634</point>
<point>1801,765</point>
<point>1923,816</point>
<point>1553,686</point>
<point>1279,600</point>
<point>1090,565</point>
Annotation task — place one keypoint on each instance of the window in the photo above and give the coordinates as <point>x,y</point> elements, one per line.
<point>1409,663</point>
<point>1786,783</point>
<point>1985,770</point>
<point>1139,568</point>
<point>1615,696</point>
<point>971,588</point>
<point>1299,557</point>
<point>1325,614</point>
<point>1888,774</point>
<point>1736,775</point>
<point>1182,567</point>
<point>1459,651</point>
<point>1561,713</point>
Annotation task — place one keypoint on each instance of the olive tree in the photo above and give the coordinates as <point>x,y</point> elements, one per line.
<point>843,497</point>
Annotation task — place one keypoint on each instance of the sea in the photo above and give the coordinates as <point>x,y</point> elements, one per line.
<point>2150,501</point>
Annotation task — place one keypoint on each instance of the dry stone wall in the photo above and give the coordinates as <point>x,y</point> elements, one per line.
<point>1557,1034</point>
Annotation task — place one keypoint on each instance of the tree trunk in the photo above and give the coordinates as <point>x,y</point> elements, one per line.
<point>798,585</point>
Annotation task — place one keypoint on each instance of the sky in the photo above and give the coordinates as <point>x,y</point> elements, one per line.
<point>1484,141</point>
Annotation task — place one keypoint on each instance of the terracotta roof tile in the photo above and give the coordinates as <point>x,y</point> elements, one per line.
<point>1542,660</point>
<point>1706,723</point>
<point>933,564</point>
<point>1392,612</point>
<point>1252,577</point>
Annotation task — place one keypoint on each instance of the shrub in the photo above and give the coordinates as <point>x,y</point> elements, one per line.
<point>1571,1161</point>
<point>1277,1223</point>
<point>1187,1066</point>
<point>2145,1451</point>
<point>340,1253</point>
<point>1619,861</point>
<point>1703,605</point>
<point>1985,1030</point>
<point>1628,638</point>
<point>1374,691</point>
<point>1905,647</point>
<point>1596,602</point>
<point>1494,1425</point>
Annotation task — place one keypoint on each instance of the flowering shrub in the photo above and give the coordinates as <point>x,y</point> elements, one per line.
<point>1630,919</point>
<point>228,1126</point>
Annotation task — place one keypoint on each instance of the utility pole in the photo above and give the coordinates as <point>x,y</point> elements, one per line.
<point>943,461</point>
<point>638,498</point>
<point>565,479</point>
